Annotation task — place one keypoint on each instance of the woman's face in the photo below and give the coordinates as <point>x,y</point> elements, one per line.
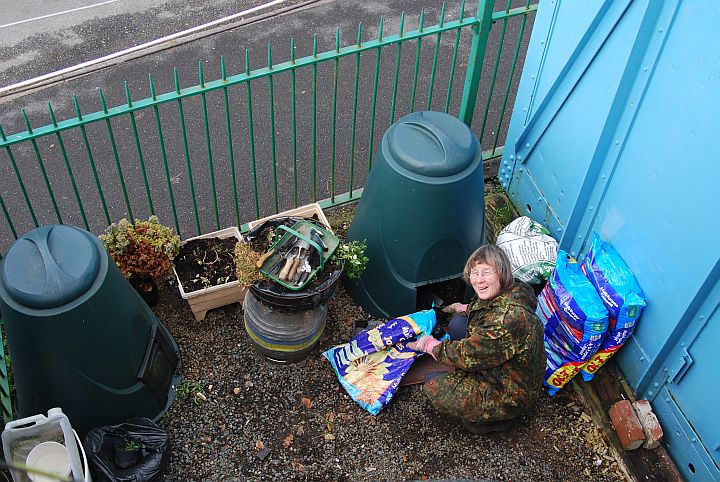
<point>485,281</point>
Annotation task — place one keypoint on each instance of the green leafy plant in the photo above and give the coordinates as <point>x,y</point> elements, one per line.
<point>142,248</point>
<point>132,445</point>
<point>190,388</point>
<point>353,253</point>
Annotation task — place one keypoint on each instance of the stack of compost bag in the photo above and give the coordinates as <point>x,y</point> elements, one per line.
<point>621,295</point>
<point>575,321</point>
<point>589,311</point>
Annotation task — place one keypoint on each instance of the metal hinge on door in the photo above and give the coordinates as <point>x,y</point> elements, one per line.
<point>680,367</point>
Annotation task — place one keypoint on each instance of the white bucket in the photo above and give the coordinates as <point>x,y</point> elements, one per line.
<point>50,457</point>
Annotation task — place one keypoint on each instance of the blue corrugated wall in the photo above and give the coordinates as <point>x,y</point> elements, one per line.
<point>615,130</point>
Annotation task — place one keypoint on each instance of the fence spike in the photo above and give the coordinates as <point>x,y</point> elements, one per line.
<point>127,94</point>
<point>177,80</point>
<point>315,45</point>
<point>27,121</point>
<point>380,28</point>
<point>152,88</point>
<point>402,23</point>
<point>77,107</point>
<point>292,50</point>
<point>102,100</point>
<point>200,75</point>
<point>247,62</point>
<point>269,57</point>
<point>52,115</point>
<point>359,37</point>
<point>422,20</point>
<point>223,73</point>
<point>337,39</point>
<point>462,10</point>
<point>442,15</point>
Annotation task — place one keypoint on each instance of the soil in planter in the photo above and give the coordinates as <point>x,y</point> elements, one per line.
<point>206,262</point>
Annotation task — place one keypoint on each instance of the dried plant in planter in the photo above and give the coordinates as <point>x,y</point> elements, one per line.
<point>143,249</point>
<point>246,260</point>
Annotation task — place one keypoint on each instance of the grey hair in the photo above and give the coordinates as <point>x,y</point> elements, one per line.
<point>491,255</point>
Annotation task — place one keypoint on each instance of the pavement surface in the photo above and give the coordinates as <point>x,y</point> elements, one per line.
<point>334,137</point>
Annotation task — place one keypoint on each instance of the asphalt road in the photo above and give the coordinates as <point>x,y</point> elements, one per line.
<point>349,166</point>
<point>39,37</point>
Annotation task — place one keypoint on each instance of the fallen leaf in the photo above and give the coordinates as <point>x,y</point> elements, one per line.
<point>201,396</point>
<point>298,466</point>
<point>236,390</point>
<point>287,441</point>
<point>207,439</point>
<point>259,445</point>
<point>300,431</point>
<point>329,436</point>
<point>330,417</point>
<point>307,402</point>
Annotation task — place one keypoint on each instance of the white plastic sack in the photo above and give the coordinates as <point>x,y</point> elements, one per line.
<point>531,249</point>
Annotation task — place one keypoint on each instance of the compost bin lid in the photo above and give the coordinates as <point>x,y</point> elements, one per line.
<point>50,266</point>
<point>432,144</point>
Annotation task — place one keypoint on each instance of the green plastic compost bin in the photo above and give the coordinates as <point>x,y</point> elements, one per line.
<point>79,336</point>
<point>422,212</point>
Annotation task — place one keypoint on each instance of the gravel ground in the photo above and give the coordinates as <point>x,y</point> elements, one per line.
<point>263,421</point>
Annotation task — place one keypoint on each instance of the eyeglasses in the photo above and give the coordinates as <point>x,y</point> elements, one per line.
<point>481,274</point>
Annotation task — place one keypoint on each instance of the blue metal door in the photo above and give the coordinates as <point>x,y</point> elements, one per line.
<point>615,130</point>
<point>687,403</point>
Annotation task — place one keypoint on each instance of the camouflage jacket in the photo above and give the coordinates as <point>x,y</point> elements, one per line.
<point>499,366</point>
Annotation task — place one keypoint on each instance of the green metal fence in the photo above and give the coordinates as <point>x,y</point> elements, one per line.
<point>226,151</point>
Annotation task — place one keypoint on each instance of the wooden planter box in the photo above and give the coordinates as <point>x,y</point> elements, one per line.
<point>205,299</point>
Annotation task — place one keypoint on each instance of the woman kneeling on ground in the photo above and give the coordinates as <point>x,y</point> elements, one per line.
<point>496,349</point>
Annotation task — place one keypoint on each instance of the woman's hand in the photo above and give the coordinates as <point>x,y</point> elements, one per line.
<point>456,309</point>
<point>424,344</point>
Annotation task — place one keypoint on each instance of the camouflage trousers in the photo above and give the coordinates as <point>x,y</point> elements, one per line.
<point>465,395</point>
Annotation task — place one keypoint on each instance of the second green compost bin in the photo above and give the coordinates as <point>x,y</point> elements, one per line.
<point>80,337</point>
<point>422,212</point>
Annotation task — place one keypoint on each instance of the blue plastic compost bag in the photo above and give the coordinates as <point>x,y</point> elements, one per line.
<point>621,294</point>
<point>575,321</point>
<point>371,365</point>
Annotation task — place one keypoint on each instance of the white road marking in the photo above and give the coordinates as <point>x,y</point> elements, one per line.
<point>58,13</point>
<point>61,72</point>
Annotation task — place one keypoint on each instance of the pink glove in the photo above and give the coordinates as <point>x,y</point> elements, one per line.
<point>424,344</point>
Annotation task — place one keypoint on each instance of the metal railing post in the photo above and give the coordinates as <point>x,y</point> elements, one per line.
<point>475,60</point>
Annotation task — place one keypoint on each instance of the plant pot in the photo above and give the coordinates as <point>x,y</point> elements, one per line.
<point>147,288</point>
<point>280,298</point>
<point>205,299</point>
<point>124,458</point>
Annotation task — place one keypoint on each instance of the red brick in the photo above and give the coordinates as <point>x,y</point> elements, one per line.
<point>626,424</point>
<point>650,424</point>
